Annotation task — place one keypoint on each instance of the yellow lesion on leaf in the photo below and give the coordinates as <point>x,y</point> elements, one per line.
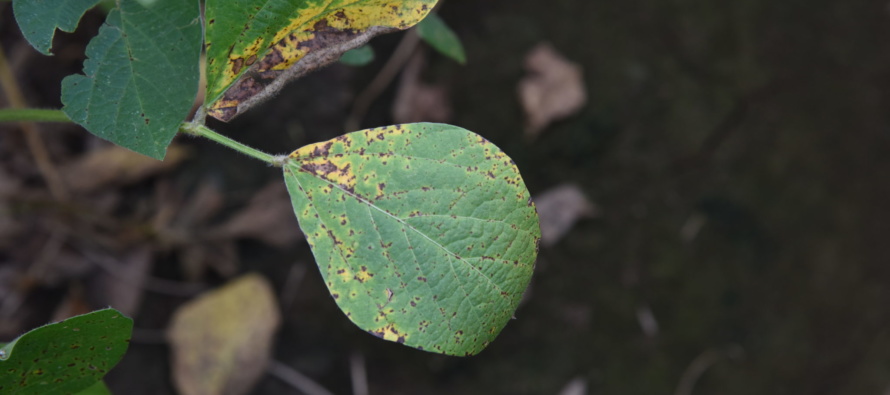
<point>313,27</point>
<point>240,61</point>
<point>345,275</point>
<point>392,333</point>
<point>337,170</point>
<point>363,276</point>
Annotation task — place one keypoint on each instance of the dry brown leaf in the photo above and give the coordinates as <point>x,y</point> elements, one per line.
<point>559,208</point>
<point>553,88</point>
<point>417,101</point>
<point>221,341</point>
<point>268,217</point>
<point>113,165</point>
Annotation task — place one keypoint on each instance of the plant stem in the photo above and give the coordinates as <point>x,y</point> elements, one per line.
<point>203,131</point>
<point>32,115</point>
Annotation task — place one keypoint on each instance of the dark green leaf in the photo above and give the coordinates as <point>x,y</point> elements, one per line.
<point>358,57</point>
<point>437,34</point>
<point>96,389</point>
<point>425,234</point>
<point>65,357</point>
<point>141,75</point>
<point>39,19</point>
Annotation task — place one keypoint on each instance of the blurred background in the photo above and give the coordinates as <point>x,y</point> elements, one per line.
<point>712,178</point>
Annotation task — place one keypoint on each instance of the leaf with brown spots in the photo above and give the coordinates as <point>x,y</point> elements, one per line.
<point>65,357</point>
<point>425,234</point>
<point>254,47</point>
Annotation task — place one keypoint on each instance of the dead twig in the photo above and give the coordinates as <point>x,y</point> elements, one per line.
<point>32,134</point>
<point>359,374</point>
<point>154,284</point>
<point>702,363</point>
<point>296,379</point>
<point>385,77</point>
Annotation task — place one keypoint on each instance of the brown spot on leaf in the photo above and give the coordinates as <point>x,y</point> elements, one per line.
<point>236,65</point>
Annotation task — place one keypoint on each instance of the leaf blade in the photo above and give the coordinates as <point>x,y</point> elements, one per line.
<point>282,40</point>
<point>65,357</point>
<point>141,75</point>
<point>424,233</point>
<point>39,19</point>
<point>437,34</point>
<point>358,56</point>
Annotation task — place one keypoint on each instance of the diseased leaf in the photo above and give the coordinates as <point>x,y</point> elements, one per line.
<point>141,75</point>
<point>358,56</point>
<point>254,47</point>
<point>65,357</point>
<point>438,35</point>
<point>39,19</point>
<point>425,234</point>
<point>222,341</point>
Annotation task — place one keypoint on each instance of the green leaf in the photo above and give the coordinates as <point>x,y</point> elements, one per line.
<point>141,75</point>
<point>280,40</point>
<point>39,19</point>
<point>65,357</point>
<point>358,57</point>
<point>437,34</point>
<point>96,389</point>
<point>425,234</point>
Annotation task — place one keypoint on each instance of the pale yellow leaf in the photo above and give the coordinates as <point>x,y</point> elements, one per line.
<point>221,341</point>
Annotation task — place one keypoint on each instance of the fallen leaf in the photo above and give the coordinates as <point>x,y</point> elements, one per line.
<point>221,341</point>
<point>559,208</point>
<point>268,217</point>
<point>114,165</point>
<point>552,90</point>
<point>417,101</point>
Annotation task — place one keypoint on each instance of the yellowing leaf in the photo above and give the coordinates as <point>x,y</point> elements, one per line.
<point>254,47</point>
<point>221,341</point>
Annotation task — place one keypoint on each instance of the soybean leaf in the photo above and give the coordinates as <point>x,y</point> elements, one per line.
<point>141,75</point>
<point>358,56</point>
<point>254,47</point>
<point>65,357</point>
<point>96,389</point>
<point>425,234</point>
<point>437,34</point>
<point>39,19</point>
